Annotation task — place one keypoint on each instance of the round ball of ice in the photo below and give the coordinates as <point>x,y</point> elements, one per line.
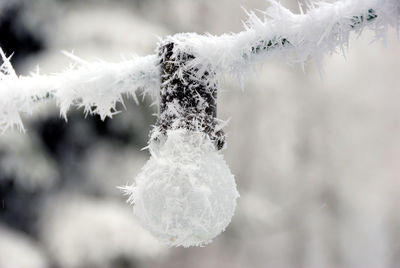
<point>185,194</point>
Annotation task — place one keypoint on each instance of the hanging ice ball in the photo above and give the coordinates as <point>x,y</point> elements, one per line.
<point>185,194</point>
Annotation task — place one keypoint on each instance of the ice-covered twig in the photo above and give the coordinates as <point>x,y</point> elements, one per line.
<point>96,87</point>
<point>295,38</point>
<point>279,42</point>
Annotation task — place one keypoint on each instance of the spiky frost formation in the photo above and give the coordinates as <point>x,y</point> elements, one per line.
<point>96,87</point>
<point>322,30</point>
<point>185,100</point>
<point>185,195</point>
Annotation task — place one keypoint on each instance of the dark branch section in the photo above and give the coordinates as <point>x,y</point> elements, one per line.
<point>357,20</point>
<point>186,101</point>
<point>270,44</point>
<point>282,42</point>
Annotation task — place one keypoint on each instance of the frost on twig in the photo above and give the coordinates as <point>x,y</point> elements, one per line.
<point>322,30</point>
<point>96,87</point>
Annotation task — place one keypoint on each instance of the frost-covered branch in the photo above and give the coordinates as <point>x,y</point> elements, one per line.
<point>98,87</point>
<point>322,30</point>
<point>277,43</point>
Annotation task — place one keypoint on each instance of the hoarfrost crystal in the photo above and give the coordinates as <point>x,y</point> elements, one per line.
<point>185,195</point>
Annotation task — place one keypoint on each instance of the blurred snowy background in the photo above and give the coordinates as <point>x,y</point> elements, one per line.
<point>317,160</point>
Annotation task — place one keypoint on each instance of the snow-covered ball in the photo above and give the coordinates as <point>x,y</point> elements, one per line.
<point>185,194</point>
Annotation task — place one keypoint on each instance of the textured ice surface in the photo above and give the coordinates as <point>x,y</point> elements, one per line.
<point>96,87</point>
<point>322,29</point>
<point>185,195</point>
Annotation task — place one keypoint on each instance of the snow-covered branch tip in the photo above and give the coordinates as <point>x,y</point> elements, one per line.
<point>97,87</point>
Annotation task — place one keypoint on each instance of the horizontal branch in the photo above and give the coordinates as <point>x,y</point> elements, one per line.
<point>95,87</point>
<point>295,38</point>
<point>99,86</point>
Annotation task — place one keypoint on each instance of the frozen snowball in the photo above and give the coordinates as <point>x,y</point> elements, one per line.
<point>185,194</point>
